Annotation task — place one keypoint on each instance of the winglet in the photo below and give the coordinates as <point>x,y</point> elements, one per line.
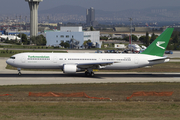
<point>159,45</point>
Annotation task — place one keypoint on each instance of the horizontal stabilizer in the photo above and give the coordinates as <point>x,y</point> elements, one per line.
<point>155,60</point>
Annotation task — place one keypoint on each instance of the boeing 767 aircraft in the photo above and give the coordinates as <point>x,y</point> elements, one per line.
<point>75,62</point>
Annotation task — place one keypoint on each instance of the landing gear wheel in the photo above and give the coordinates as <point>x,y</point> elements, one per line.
<point>92,74</point>
<point>89,74</point>
<point>19,73</point>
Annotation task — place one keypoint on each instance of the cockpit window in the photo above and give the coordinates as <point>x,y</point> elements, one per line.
<point>12,57</point>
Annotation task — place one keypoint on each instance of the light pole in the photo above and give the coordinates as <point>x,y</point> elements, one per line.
<point>48,19</point>
<point>130,19</point>
<point>8,25</point>
<point>16,26</point>
<point>26,23</point>
<point>20,29</point>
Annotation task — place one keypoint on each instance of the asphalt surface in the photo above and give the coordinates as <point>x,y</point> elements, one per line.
<point>31,77</point>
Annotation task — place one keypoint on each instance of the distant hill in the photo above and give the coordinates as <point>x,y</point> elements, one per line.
<point>65,9</point>
<point>155,14</point>
<point>70,13</point>
<point>71,10</point>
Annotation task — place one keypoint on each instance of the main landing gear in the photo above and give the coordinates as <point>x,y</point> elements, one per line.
<point>89,73</point>
<point>19,71</point>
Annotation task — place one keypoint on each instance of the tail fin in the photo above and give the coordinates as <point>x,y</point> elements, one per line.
<point>159,45</point>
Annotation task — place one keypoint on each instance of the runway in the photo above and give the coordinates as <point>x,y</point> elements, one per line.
<point>34,78</point>
<point>10,77</point>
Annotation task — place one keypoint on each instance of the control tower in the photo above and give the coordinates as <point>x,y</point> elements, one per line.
<point>33,5</point>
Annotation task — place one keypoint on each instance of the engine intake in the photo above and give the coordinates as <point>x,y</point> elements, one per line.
<point>70,69</point>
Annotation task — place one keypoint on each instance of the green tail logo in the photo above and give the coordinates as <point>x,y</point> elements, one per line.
<point>158,47</point>
<point>159,43</point>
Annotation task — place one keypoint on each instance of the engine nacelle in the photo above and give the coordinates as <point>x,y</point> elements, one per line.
<point>70,69</point>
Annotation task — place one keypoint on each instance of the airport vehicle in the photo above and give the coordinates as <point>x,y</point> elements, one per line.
<point>169,52</point>
<point>134,47</point>
<point>75,62</point>
<point>142,48</point>
<point>98,51</point>
<point>110,51</point>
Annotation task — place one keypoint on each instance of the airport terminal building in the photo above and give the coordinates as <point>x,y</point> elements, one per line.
<point>74,35</point>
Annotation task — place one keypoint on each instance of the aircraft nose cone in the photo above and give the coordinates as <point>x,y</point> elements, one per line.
<point>7,61</point>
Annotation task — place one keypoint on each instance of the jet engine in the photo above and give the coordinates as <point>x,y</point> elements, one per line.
<point>70,69</point>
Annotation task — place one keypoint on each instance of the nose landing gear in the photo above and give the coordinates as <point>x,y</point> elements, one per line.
<point>19,71</point>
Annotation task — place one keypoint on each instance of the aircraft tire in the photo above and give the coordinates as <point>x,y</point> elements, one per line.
<point>87,73</point>
<point>19,73</point>
<point>92,74</point>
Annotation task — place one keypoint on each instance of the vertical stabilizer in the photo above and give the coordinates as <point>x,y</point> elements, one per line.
<point>159,45</point>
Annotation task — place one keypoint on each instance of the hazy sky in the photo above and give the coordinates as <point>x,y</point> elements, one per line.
<point>10,6</point>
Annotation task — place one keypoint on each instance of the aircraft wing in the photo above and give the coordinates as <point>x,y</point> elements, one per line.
<point>93,65</point>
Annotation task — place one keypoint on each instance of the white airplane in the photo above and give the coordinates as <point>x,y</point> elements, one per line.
<point>10,37</point>
<point>75,62</point>
<point>134,47</point>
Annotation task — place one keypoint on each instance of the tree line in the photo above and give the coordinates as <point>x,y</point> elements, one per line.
<point>174,42</point>
<point>39,40</point>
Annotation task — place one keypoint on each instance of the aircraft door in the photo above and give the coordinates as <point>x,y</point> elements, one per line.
<point>23,59</point>
<point>55,59</point>
<point>136,60</point>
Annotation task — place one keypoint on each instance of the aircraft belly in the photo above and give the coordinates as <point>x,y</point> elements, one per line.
<point>121,66</point>
<point>40,67</point>
<point>127,65</point>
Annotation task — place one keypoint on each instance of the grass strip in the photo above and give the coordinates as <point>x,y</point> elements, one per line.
<point>90,111</point>
<point>20,106</point>
<point>114,91</point>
